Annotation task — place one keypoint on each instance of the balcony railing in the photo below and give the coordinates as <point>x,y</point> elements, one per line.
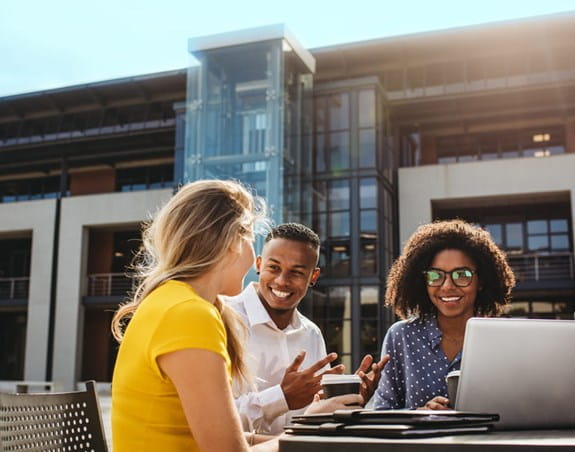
<point>12,288</point>
<point>108,284</point>
<point>541,267</point>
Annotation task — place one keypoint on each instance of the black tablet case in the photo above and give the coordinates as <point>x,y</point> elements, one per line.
<point>392,423</point>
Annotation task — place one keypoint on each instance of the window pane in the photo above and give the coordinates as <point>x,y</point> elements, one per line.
<point>335,337</point>
<point>339,224</point>
<point>560,242</point>
<point>517,309</point>
<point>319,306</point>
<point>559,225</point>
<point>489,155</point>
<point>366,108</point>
<point>339,151</point>
<point>369,338</point>
<point>321,225</point>
<point>368,255</point>
<point>514,235</point>
<point>369,300</point>
<point>320,113</point>
<point>339,260</point>
<point>510,154</point>
<point>368,221</point>
<point>367,148</point>
<point>555,150</point>
<point>496,232</point>
<point>368,193</point>
<point>537,227</point>
<point>340,302</point>
<point>538,242</point>
<point>339,111</point>
<point>320,196</point>
<point>338,195</point>
<point>535,152</point>
<point>542,306</point>
<point>442,160</point>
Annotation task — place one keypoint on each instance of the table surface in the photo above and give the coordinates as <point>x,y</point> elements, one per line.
<point>496,441</point>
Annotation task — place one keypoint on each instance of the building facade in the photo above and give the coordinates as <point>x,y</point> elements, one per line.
<point>362,141</point>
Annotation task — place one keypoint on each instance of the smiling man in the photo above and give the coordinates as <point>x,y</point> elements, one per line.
<point>286,352</point>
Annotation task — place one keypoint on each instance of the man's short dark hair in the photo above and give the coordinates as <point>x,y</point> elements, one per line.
<point>294,231</point>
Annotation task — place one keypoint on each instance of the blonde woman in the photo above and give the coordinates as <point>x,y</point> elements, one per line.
<point>171,386</point>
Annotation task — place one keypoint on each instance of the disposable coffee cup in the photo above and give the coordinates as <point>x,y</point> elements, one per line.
<point>335,385</point>
<point>452,381</point>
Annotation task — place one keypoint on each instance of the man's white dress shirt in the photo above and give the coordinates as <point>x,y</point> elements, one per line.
<point>269,352</point>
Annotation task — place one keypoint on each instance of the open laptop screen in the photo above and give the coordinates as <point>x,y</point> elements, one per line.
<point>522,369</point>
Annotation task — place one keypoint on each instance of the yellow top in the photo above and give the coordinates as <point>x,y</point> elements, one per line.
<point>146,411</point>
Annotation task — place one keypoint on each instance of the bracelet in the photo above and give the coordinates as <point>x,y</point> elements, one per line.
<point>251,441</point>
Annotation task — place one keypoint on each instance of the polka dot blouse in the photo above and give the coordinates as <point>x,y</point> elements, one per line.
<point>418,367</point>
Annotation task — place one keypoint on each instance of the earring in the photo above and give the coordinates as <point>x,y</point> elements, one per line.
<point>311,284</point>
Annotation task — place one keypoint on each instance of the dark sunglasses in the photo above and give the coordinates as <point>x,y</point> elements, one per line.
<point>461,277</point>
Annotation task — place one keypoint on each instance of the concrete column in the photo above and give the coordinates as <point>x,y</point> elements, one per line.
<point>78,214</point>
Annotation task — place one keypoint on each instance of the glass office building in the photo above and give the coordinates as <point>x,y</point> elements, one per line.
<point>362,141</point>
<point>249,116</point>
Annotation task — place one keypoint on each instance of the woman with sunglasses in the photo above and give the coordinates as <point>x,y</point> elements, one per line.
<point>448,272</point>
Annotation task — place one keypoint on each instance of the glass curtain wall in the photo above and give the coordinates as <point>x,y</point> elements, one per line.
<point>245,121</point>
<point>353,213</point>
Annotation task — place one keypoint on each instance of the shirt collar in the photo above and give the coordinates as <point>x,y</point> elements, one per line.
<point>434,336</point>
<point>432,329</point>
<point>257,314</point>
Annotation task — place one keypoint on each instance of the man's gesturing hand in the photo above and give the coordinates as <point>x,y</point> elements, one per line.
<point>299,387</point>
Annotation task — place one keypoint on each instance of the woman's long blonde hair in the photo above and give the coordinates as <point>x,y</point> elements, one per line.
<point>189,235</point>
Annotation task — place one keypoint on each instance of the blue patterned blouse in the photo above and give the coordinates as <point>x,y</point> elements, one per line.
<point>418,367</point>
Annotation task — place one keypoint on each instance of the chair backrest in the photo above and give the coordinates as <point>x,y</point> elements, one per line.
<point>65,421</point>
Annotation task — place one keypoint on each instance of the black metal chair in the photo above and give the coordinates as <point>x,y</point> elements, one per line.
<point>65,421</point>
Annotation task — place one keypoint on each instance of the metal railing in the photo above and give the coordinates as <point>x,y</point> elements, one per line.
<point>542,267</point>
<point>527,267</point>
<point>11,288</point>
<point>107,284</point>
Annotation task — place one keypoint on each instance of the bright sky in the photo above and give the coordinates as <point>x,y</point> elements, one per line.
<point>53,43</point>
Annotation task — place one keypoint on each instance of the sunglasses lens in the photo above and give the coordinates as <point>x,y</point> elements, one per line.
<point>433,277</point>
<point>462,277</point>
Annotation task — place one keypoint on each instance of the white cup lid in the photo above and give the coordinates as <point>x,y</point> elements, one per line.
<point>335,378</point>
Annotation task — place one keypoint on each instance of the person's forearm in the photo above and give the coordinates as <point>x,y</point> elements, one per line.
<point>254,438</point>
<point>269,444</point>
<point>259,409</point>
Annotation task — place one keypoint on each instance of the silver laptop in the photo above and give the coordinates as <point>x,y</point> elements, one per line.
<point>522,369</point>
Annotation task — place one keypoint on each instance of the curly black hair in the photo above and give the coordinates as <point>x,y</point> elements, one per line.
<point>406,289</point>
<point>294,231</point>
